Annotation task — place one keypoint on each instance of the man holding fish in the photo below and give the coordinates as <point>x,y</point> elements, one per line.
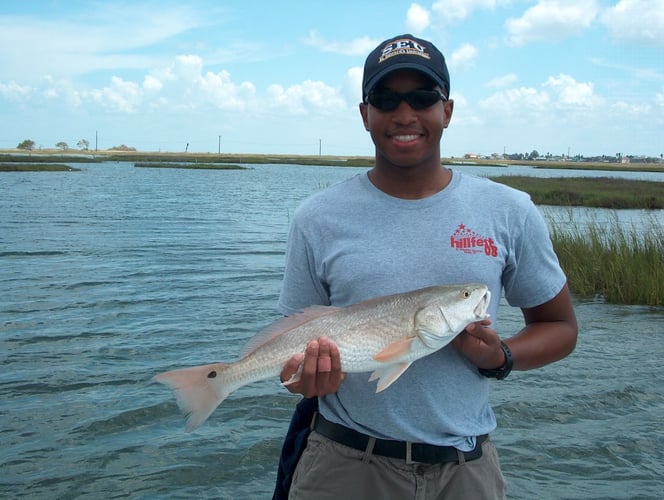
<point>406,224</point>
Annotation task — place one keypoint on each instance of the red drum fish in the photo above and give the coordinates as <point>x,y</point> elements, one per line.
<point>382,336</point>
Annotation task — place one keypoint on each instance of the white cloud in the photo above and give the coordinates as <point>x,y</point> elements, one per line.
<point>517,102</point>
<point>463,57</point>
<point>502,81</point>
<point>120,95</point>
<point>13,91</point>
<point>572,94</point>
<point>97,39</point>
<point>659,99</point>
<point>454,10</point>
<point>352,87</point>
<point>417,19</point>
<point>356,47</point>
<point>640,21</point>
<point>552,20</point>
<point>299,99</point>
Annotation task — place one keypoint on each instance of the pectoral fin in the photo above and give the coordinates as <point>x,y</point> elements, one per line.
<point>395,350</point>
<point>388,375</point>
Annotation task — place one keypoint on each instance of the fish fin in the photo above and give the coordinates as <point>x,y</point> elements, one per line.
<point>387,375</point>
<point>198,391</point>
<point>395,350</point>
<point>295,377</point>
<point>286,324</point>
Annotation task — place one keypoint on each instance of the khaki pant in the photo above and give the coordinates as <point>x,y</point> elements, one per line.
<point>329,470</point>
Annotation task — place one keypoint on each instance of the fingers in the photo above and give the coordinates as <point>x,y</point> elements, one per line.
<point>479,343</point>
<point>320,369</point>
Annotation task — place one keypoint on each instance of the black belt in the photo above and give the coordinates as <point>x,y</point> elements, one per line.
<point>411,452</point>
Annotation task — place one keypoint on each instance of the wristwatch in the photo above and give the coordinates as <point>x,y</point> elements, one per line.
<point>503,371</point>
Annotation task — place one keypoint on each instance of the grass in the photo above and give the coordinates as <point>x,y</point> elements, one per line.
<point>620,265</point>
<point>36,167</point>
<point>598,192</point>
<point>208,166</point>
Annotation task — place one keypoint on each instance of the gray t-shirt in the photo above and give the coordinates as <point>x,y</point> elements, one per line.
<point>352,242</point>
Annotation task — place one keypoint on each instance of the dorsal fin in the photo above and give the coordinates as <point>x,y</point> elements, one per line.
<point>286,324</point>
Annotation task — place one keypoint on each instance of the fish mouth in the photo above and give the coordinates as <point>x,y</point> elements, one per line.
<point>482,306</point>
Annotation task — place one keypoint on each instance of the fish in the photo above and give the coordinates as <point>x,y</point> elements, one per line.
<point>384,336</point>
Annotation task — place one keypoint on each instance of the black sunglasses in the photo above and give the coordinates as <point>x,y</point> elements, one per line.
<point>388,100</point>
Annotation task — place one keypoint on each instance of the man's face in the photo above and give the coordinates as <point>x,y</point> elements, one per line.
<point>405,136</point>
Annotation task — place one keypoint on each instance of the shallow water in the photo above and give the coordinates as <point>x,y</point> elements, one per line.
<point>113,274</point>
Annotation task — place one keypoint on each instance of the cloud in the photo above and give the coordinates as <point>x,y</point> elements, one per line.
<point>14,92</point>
<point>448,11</point>
<point>659,99</point>
<point>95,39</point>
<point>517,102</point>
<point>463,57</point>
<point>552,20</point>
<point>502,81</point>
<point>559,96</point>
<point>572,94</point>
<point>639,21</point>
<point>356,47</point>
<point>309,95</point>
<point>417,19</point>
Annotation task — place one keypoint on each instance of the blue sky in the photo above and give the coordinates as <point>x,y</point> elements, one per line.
<point>556,76</point>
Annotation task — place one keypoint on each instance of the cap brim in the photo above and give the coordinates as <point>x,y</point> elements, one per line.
<point>371,83</point>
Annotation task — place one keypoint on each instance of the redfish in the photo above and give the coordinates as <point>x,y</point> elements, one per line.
<point>382,335</point>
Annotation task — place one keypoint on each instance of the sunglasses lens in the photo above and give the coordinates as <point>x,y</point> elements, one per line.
<point>387,100</point>
<point>421,99</point>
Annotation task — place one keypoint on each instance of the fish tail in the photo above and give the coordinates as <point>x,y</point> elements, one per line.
<point>198,391</point>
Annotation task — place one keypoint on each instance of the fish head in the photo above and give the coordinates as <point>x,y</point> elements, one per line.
<point>449,312</point>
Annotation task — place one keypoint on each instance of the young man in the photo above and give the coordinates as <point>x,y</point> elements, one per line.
<point>406,224</point>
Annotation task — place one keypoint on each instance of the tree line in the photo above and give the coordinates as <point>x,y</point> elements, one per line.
<point>29,145</point>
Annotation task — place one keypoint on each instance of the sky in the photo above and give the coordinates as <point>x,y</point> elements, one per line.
<point>561,77</point>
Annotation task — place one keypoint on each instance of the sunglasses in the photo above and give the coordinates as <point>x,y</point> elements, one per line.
<point>388,100</point>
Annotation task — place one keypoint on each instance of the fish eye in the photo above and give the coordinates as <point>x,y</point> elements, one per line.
<point>466,294</point>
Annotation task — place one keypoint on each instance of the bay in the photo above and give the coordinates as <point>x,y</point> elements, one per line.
<point>113,274</point>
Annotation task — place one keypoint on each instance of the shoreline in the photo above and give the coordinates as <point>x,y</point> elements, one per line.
<point>10,156</point>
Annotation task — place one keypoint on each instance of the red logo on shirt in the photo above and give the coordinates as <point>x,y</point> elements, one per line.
<point>468,241</point>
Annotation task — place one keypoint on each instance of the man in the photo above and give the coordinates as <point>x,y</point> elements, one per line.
<point>406,224</point>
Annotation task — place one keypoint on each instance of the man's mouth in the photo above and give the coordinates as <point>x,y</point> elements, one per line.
<point>405,138</point>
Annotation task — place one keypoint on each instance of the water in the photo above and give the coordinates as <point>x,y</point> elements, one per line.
<point>113,274</point>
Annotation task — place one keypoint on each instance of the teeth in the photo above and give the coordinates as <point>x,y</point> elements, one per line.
<point>405,138</point>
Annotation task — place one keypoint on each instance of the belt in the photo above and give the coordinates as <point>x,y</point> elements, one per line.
<point>410,452</point>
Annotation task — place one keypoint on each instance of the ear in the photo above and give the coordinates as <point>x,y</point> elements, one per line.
<point>364,112</point>
<point>448,108</point>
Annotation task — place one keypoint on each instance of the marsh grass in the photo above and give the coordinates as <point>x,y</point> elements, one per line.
<point>612,262</point>
<point>191,166</point>
<point>598,192</point>
<point>36,167</point>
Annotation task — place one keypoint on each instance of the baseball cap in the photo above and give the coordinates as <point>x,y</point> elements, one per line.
<point>404,52</point>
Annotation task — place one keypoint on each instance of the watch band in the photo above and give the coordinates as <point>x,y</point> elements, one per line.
<point>503,371</point>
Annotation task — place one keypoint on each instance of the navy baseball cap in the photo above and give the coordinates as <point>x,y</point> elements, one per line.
<point>404,52</point>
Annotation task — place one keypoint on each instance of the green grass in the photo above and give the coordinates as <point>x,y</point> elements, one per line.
<point>36,167</point>
<point>207,166</point>
<point>622,266</point>
<point>599,192</point>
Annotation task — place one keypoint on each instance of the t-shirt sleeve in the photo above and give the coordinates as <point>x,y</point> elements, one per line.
<point>301,285</point>
<point>533,274</point>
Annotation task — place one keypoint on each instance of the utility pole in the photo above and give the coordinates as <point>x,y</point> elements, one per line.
<point>219,151</point>
<point>320,147</point>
